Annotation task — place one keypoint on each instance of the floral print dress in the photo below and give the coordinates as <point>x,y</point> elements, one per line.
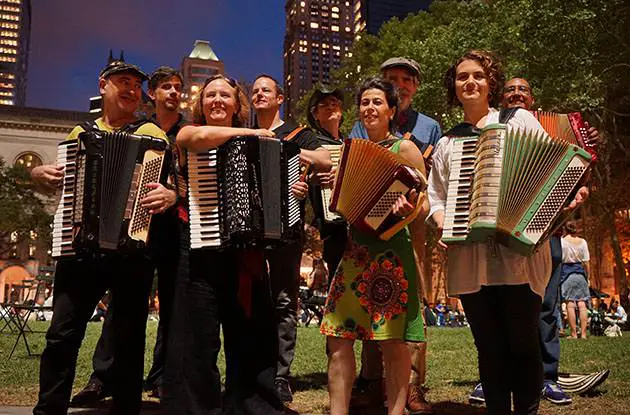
<point>374,293</point>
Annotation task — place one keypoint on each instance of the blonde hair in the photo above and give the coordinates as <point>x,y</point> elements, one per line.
<point>240,117</point>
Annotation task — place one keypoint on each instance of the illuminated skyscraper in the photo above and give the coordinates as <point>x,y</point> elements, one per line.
<point>198,66</point>
<point>369,15</point>
<point>318,36</point>
<point>15,34</point>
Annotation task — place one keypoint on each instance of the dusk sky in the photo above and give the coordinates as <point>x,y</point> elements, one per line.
<point>70,41</point>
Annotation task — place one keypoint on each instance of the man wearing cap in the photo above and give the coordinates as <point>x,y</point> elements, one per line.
<point>81,281</point>
<point>425,132</point>
<point>165,86</point>
<point>325,117</point>
<point>405,74</point>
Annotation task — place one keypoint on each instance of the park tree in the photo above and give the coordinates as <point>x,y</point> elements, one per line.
<point>22,212</point>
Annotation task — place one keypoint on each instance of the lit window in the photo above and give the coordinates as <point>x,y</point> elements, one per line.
<point>302,4</point>
<point>335,9</point>
<point>28,161</point>
<point>334,28</point>
<point>314,25</point>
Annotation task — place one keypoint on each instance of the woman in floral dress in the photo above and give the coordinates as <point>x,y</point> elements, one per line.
<point>373,295</point>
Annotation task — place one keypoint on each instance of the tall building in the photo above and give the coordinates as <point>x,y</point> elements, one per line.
<point>198,66</point>
<point>369,15</point>
<point>318,35</point>
<point>15,35</point>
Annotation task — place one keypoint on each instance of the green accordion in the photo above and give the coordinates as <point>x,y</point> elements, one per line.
<point>510,186</point>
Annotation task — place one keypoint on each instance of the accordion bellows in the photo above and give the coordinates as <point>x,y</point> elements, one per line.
<point>509,186</point>
<point>369,179</point>
<point>568,127</point>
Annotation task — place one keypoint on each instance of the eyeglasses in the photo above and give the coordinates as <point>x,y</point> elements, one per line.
<point>520,88</point>
<point>329,102</point>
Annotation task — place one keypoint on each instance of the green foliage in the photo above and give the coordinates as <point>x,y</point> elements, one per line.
<point>21,210</point>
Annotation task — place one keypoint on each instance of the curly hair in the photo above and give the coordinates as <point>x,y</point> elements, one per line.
<point>388,88</point>
<point>240,117</point>
<point>491,66</point>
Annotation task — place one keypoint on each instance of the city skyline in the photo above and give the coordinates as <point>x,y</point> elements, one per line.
<point>69,49</point>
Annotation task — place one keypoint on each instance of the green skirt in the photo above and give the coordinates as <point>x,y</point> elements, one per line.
<point>374,293</point>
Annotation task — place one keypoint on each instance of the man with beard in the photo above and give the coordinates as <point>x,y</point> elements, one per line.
<point>518,94</point>
<point>80,282</point>
<point>284,261</point>
<point>165,86</point>
<point>425,132</point>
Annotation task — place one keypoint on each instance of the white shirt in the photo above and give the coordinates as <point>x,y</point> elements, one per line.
<point>474,265</point>
<point>573,253</point>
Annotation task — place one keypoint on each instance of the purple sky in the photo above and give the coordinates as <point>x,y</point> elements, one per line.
<point>70,40</point>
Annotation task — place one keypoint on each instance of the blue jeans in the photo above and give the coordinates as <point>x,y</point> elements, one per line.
<point>548,324</point>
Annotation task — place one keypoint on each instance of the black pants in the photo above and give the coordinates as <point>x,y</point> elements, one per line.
<point>548,324</point>
<point>284,273</point>
<point>206,297</point>
<point>335,239</point>
<point>165,256</point>
<point>504,322</point>
<point>79,285</point>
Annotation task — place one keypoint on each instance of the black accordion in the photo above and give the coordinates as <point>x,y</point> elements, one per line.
<point>105,178</point>
<point>240,193</point>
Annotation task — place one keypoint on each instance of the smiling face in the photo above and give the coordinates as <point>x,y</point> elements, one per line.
<point>517,94</point>
<point>471,83</point>
<point>121,93</point>
<point>265,95</point>
<point>168,94</point>
<point>375,113</point>
<point>219,103</point>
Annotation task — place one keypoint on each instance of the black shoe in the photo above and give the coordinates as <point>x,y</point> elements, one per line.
<point>93,392</point>
<point>283,390</point>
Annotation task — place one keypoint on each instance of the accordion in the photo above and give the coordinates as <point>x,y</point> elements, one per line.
<point>569,127</point>
<point>509,186</point>
<point>322,195</point>
<point>105,178</point>
<point>369,179</point>
<point>240,193</point>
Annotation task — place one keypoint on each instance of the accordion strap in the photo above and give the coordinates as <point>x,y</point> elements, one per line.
<point>294,134</point>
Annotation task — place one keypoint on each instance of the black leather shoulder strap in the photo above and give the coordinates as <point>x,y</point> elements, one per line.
<point>506,114</point>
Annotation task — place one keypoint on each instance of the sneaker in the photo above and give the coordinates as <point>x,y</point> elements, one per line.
<point>477,395</point>
<point>93,393</point>
<point>416,402</point>
<point>554,394</point>
<point>283,390</point>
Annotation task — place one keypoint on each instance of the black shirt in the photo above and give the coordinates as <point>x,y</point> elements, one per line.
<point>306,138</point>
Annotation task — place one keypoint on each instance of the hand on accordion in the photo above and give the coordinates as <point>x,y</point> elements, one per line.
<point>325,179</point>
<point>404,207</point>
<point>158,199</point>
<point>580,197</point>
<point>263,132</point>
<point>300,190</point>
<point>49,176</point>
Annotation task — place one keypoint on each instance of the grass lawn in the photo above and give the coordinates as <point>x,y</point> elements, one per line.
<point>452,370</point>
